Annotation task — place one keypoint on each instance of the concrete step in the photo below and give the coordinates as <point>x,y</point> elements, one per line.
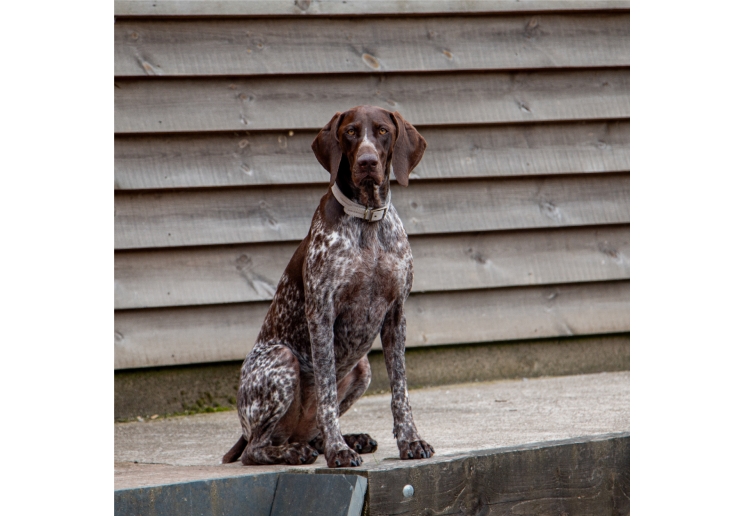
<point>545,445</point>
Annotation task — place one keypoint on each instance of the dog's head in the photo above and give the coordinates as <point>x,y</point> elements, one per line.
<point>364,143</point>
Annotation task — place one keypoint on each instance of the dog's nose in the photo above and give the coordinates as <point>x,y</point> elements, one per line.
<point>367,162</point>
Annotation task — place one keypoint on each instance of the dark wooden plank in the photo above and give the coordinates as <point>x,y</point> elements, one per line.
<point>588,475</point>
<point>329,495</point>
<point>240,273</point>
<point>350,7</point>
<point>215,333</point>
<point>305,102</point>
<point>248,495</point>
<point>260,158</point>
<point>156,219</point>
<point>324,45</point>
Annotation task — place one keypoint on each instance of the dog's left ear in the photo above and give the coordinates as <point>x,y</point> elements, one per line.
<point>408,148</point>
<point>327,148</point>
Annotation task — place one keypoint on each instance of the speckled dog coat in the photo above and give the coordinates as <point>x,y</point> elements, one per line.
<point>345,284</point>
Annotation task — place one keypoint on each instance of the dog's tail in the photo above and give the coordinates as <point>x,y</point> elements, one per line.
<point>235,452</point>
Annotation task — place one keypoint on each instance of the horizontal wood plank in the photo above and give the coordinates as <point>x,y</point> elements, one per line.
<point>232,274</point>
<point>261,158</point>
<point>325,45</point>
<point>586,475</point>
<point>171,336</point>
<point>349,7</point>
<point>308,102</point>
<point>260,214</point>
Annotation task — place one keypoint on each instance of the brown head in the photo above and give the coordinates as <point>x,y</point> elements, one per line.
<point>360,146</point>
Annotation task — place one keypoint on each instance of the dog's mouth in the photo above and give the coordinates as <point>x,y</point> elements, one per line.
<point>364,176</point>
<point>369,192</point>
<point>369,180</point>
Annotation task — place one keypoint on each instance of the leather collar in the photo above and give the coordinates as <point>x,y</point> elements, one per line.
<point>359,211</point>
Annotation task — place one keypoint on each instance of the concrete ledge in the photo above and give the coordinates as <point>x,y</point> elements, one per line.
<point>209,387</point>
<point>532,446</point>
<point>588,475</point>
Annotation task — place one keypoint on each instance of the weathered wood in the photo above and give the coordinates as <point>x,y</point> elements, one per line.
<point>155,219</point>
<point>247,495</point>
<point>589,475</point>
<point>330,495</point>
<point>324,45</point>
<point>259,158</point>
<point>350,7</point>
<point>305,102</point>
<point>231,274</point>
<point>214,333</point>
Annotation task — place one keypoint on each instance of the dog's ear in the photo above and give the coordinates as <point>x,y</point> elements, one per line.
<point>408,148</point>
<point>327,148</point>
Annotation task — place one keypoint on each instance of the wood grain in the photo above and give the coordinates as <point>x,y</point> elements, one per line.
<point>324,45</point>
<point>349,7</point>
<point>588,476</point>
<point>240,273</point>
<point>213,333</point>
<point>308,102</point>
<point>261,214</point>
<point>276,157</point>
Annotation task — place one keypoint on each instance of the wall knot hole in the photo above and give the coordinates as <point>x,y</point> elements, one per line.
<point>371,61</point>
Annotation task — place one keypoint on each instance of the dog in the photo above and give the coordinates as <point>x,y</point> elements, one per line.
<point>346,284</point>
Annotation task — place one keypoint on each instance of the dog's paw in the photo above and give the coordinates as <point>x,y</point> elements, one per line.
<point>300,453</point>
<point>361,443</point>
<point>415,450</point>
<point>343,458</point>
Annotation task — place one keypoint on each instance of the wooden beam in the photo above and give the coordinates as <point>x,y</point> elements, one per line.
<point>276,157</point>
<point>166,219</point>
<point>368,45</point>
<point>240,273</point>
<point>586,475</point>
<point>350,7</point>
<point>171,336</point>
<point>308,102</point>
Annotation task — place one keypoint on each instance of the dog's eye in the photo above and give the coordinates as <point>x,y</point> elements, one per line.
<point>383,130</point>
<point>351,132</point>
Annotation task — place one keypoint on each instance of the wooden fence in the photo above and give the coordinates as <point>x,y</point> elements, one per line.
<point>518,214</point>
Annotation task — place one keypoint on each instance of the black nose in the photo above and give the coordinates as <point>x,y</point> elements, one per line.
<point>367,162</point>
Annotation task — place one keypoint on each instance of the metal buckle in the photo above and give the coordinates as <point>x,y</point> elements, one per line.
<point>372,212</point>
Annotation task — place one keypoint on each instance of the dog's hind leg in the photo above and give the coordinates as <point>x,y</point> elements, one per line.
<point>269,407</point>
<point>352,386</point>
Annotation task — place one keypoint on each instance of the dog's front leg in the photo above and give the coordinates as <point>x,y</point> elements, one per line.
<point>320,324</point>
<point>393,336</point>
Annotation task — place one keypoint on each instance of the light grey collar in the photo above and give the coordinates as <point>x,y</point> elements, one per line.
<point>359,211</point>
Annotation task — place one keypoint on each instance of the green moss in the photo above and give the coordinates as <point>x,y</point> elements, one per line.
<point>188,412</point>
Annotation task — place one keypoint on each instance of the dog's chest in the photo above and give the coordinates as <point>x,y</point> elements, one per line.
<point>364,268</point>
<point>373,276</point>
<point>363,273</point>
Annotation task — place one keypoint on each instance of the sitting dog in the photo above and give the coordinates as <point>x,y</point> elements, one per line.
<point>345,284</point>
